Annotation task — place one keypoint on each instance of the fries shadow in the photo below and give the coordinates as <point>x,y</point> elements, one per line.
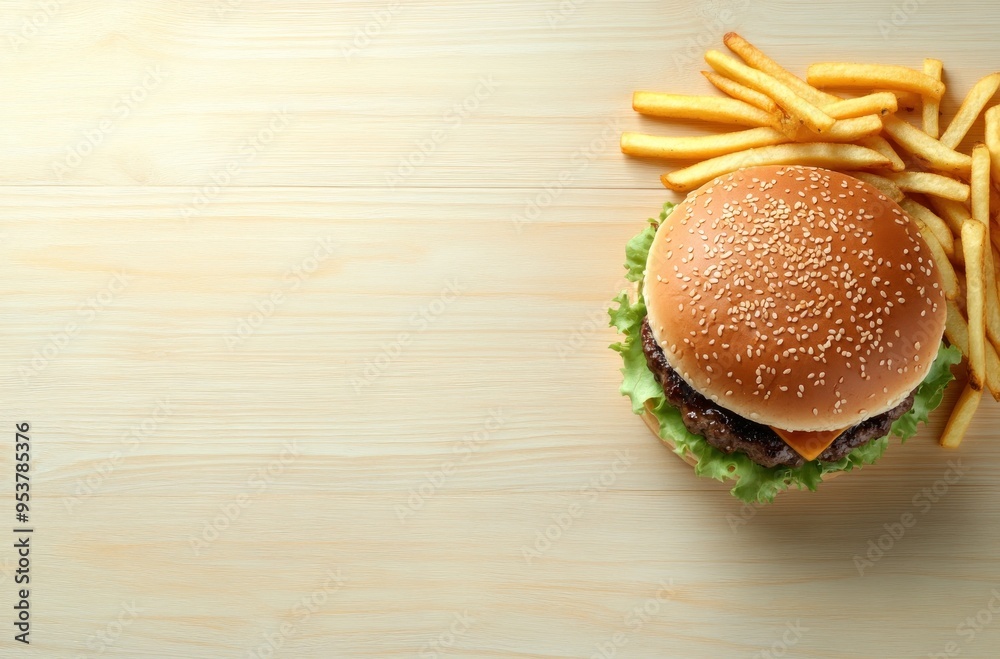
<point>683,127</point>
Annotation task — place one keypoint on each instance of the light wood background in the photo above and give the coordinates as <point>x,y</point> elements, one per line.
<point>304,302</point>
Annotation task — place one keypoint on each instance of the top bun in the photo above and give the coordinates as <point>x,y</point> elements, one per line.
<point>797,297</point>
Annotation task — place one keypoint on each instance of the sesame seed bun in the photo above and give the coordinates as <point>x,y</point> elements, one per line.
<point>797,297</point>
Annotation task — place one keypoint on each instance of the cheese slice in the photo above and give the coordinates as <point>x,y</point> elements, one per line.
<point>808,444</point>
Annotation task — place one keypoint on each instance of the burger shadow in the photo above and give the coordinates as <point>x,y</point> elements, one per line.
<point>864,545</point>
<point>918,500</point>
<point>919,503</point>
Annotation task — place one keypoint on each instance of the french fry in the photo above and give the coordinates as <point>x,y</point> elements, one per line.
<point>741,92</point>
<point>790,121</point>
<point>961,417</point>
<point>992,309</point>
<point>905,100</point>
<point>882,184</point>
<point>954,213</point>
<point>844,130</point>
<point>932,106</point>
<point>992,139</point>
<point>930,184</point>
<point>880,144</point>
<point>889,76</point>
<point>705,108</point>
<point>980,184</point>
<point>796,106</point>
<point>926,148</point>
<point>758,60</point>
<point>701,146</point>
<point>949,278</point>
<point>879,103</point>
<point>959,258</point>
<point>974,102</point>
<point>973,244</point>
<point>956,328</point>
<point>957,332</point>
<point>819,154</point>
<point>934,224</point>
<point>787,126</point>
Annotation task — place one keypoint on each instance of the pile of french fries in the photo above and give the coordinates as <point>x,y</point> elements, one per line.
<point>789,121</point>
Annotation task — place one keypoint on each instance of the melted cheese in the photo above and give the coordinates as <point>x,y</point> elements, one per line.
<point>808,444</point>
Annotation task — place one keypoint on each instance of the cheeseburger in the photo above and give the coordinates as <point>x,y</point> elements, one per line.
<point>788,320</point>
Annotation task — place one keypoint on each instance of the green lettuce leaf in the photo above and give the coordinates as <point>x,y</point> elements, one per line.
<point>930,392</point>
<point>753,483</point>
<point>637,249</point>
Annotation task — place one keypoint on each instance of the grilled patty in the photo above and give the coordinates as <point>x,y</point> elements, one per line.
<point>729,432</point>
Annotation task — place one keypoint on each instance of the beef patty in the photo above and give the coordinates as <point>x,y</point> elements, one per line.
<point>729,432</point>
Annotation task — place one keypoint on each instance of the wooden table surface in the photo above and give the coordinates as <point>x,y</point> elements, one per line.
<point>304,302</point>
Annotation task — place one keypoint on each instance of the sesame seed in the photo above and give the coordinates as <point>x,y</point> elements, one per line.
<point>770,274</point>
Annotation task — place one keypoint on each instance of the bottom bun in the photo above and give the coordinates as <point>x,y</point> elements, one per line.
<point>654,425</point>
